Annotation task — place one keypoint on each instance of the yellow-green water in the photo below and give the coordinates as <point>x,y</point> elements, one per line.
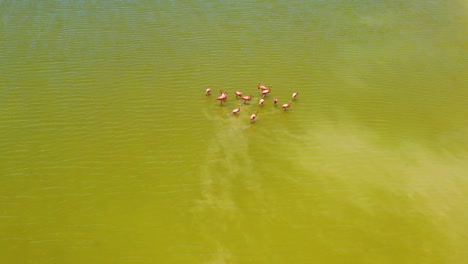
<point>111,153</point>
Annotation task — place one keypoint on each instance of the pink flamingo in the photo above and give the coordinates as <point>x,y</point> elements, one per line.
<point>238,94</point>
<point>261,101</point>
<point>261,87</point>
<point>247,98</point>
<point>208,91</point>
<point>286,106</point>
<point>294,95</point>
<point>237,110</point>
<point>275,101</point>
<point>253,116</point>
<point>267,91</point>
<point>222,97</point>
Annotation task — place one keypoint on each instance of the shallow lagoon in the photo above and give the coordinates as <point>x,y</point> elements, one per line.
<point>111,152</point>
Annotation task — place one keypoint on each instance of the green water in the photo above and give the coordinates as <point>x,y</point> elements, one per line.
<point>110,152</point>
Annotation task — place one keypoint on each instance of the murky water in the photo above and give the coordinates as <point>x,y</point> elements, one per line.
<point>110,152</point>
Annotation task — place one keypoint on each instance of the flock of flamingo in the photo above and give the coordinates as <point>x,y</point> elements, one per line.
<point>264,92</point>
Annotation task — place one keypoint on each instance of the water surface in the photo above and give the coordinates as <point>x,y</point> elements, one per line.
<point>111,153</point>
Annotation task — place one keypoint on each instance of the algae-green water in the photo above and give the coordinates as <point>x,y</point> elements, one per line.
<point>110,151</point>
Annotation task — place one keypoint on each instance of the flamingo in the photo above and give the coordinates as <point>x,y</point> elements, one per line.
<point>247,98</point>
<point>253,116</point>
<point>294,95</point>
<point>261,87</point>
<point>222,97</point>
<point>261,101</point>
<point>208,91</point>
<point>237,110</point>
<point>275,101</point>
<point>286,106</point>
<point>267,91</point>
<point>238,94</point>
